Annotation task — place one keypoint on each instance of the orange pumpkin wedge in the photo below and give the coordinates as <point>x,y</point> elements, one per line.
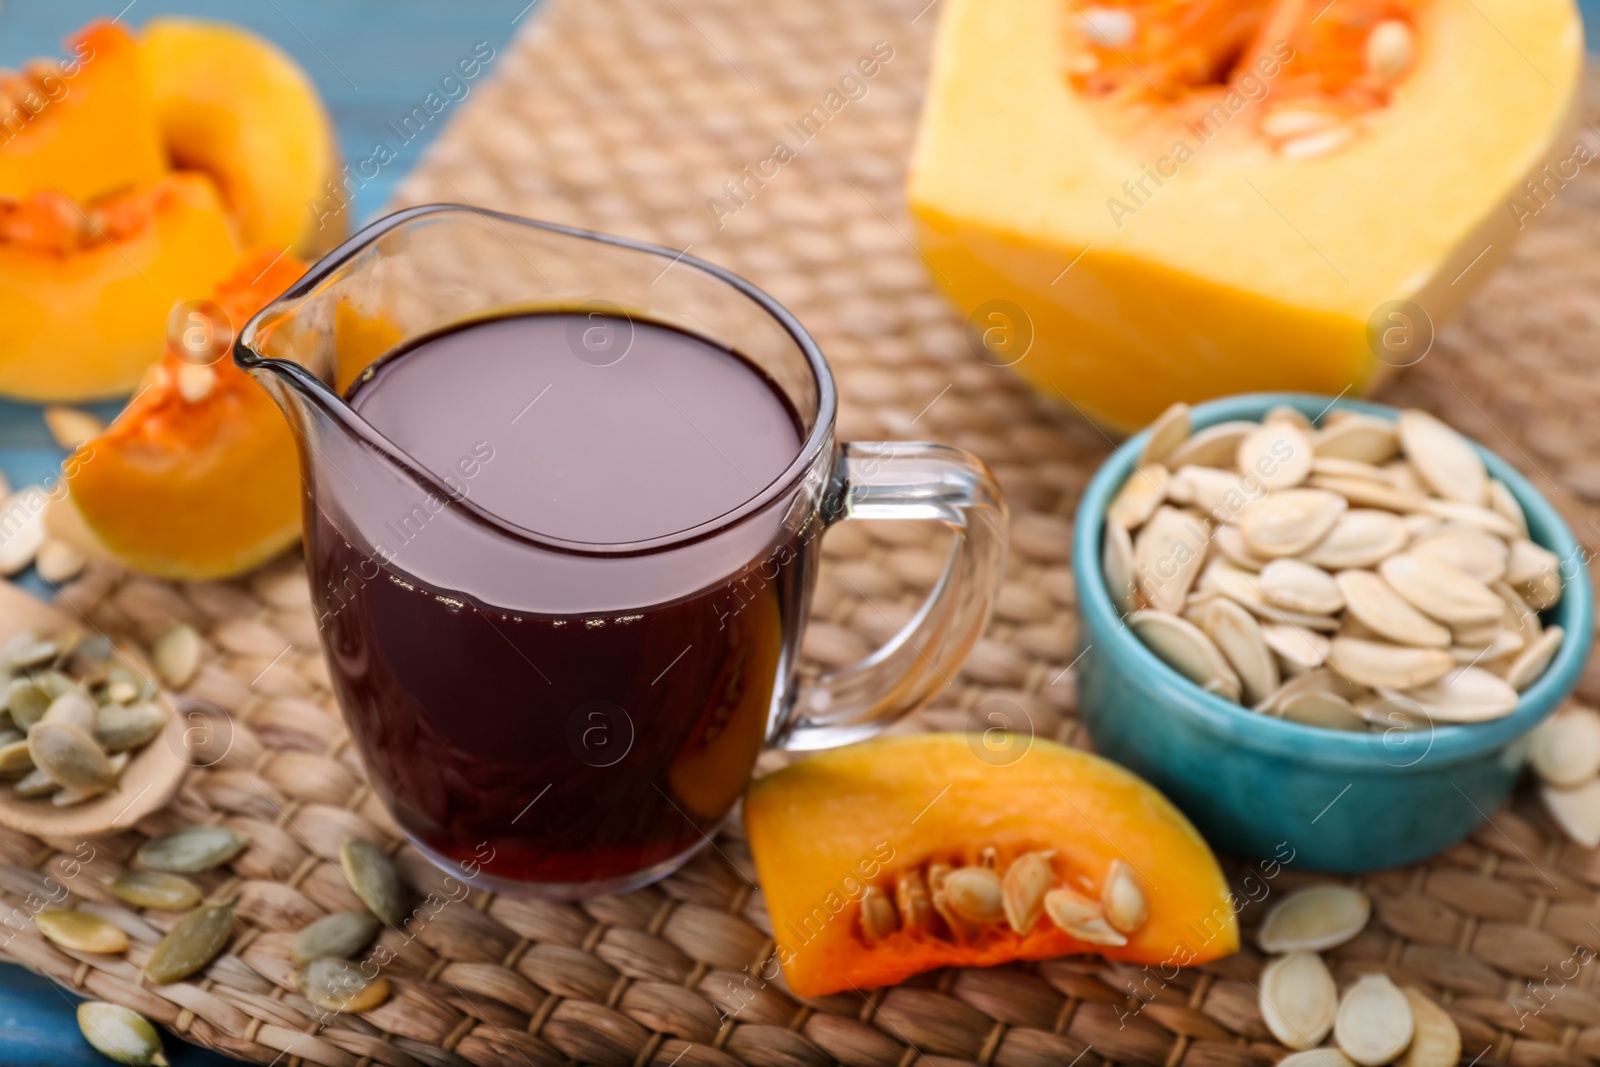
<point>834,835</point>
<point>83,126</point>
<point>198,477</point>
<point>85,287</point>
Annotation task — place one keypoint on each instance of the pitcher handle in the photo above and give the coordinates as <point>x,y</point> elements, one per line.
<point>928,482</point>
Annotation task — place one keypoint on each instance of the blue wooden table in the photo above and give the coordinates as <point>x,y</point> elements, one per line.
<point>374,61</point>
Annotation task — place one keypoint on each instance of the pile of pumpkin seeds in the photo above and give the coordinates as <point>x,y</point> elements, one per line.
<point>1360,574</point>
<point>322,951</point>
<point>74,716</point>
<point>1373,1022</point>
<point>158,882</point>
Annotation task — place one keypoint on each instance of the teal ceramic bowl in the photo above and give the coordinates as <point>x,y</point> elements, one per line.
<point>1260,787</point>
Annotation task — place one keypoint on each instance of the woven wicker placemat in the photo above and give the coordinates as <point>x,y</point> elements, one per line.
<point>630,117</point>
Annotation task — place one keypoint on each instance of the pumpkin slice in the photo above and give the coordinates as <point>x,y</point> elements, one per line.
<point>198,477</point>
<point>80,127</point>
<point>238,108</point>
<point>882,860</point>
<point>85,288</point>
<point>1150,201</point>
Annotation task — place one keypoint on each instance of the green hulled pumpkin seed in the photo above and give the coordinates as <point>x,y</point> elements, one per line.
<point>35,784</point>
<point>80,931</point>
<point>374,879</point>
<point>120,1034</point>
<point>176,655</point>
<point>336,985</point>
<point>194,848</point>
<point>197,940</point>
<point>15,758</point>
<point>74,709</point>
<point>69,756</point>
<point>155,889</point>
<point>54,683</point>
<point>26,702</point>
<point>96,648</point>
<point>119,727</point>
<point>337,936</point>
<point>26,651</point>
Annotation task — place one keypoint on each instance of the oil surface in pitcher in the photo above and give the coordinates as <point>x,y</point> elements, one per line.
<point>570,748</point>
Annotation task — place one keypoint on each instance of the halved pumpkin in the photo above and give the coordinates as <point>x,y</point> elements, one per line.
<point>849,825</point>
<point>235,106</point>
<point>82,127</point>
<point>198,477</point>
<point>85,288</point>
<point>1191,198</point>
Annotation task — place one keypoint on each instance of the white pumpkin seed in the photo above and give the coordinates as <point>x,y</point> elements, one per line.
<point>1501,644</point>
<point>1374,1022</point>
<point>1082,918</point>
<point>1326,1056</point>
<point>1388,50</point>
<point>1395,666</point>
<point>1108,27</point>
<point>1564,750</point>
<point>1374,603</point>
<point>1240,586</point>
<point>1121,569</point>
<point>59,562</point>
<point>1236,550</point>
<point>176,656</point>
<point>1288,523</point>
<point>1446,462</point>
<point>1468,548</point>
<point>120,1034</point>
<point>1435,1041</point>
<point>974,894</point>
<point>1026,882</point>
<point>1220,494</point>
<point>1122,900</point>
<point>1277,455</point>
<point>1313,919</point>
<point>1139,496</point>
<point>1214,446</point>
<point>878,923</point>
<point>1576,810</point>
<point>1287,414</point>
<point>1313,681</point>
<point>1168,554</point>
<point>1363,438</point>
<point>1296,586</point>
<point>1304,649</point>
<point>1532,568</point>
<point>1362,492</point>
<point>1441,590</point>
<point>1455,511</point>
<point>1298,999</point>
<point>1350,468</point>
<point>1534,659</point>
<point>1170,430</point>
<point>375,880</point>
<point>69,756</point>
<point>1184,648</point>
<point>1326,710</point>
<point>1504,503</point>
<point>21,528</point>
<point>1465,694</point>
<point>1238,636</point>
<point>1361,537</point>
<point>15,759</point>
<point>192,849</point>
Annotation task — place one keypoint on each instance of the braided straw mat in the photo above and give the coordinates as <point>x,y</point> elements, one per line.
<point>627,115</point>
